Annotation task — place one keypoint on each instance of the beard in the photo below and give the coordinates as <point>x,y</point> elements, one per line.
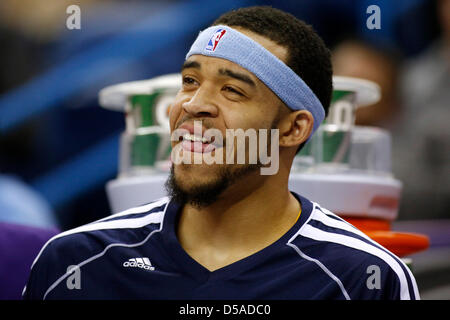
<point>204,194</point>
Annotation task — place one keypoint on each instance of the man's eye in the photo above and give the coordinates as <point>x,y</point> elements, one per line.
<point>188,80</point>
<point>232,90</point>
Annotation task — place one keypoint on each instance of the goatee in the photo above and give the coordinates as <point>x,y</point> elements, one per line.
<point>205,194</point>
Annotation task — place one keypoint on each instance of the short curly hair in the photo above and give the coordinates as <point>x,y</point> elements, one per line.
<point>308,55</point>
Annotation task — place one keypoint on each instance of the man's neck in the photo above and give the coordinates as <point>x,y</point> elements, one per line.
<point>246,219</point>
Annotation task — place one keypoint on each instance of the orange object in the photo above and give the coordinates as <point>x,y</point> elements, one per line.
<point>366,224</point>
<point>399,243</point>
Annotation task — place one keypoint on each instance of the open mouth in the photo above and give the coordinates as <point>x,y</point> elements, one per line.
<point>193,143</point>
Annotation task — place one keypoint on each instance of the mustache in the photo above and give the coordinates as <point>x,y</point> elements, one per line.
<point>205,122</point>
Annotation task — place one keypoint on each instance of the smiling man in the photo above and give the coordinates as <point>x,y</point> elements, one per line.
<point>226,231</point>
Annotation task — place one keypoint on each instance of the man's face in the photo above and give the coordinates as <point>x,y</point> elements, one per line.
<point>222,95</point>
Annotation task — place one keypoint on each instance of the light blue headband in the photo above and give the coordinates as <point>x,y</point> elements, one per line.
<point>227,43</point>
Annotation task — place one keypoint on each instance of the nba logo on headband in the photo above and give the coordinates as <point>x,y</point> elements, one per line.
<point>214,41</point>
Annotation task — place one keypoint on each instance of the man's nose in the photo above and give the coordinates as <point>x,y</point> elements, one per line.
<point>201,104</point>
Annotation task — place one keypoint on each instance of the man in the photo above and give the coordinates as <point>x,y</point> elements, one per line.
<point>227,231</point>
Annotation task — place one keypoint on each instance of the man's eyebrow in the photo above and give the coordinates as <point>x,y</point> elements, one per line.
<point>190,64</point>
<point>237,75</point>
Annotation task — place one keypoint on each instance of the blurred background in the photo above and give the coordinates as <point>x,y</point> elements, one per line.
<point>58,147</point>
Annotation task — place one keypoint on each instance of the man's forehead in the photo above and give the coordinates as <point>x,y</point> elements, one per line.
<point>217,65</point>
<point>198,61</point>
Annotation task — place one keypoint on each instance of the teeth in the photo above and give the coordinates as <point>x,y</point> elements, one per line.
<point>193,138</point>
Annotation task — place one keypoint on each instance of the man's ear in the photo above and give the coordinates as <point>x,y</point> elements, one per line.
<point>295,128</point>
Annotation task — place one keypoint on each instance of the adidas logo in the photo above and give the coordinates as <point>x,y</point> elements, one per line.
<point>143,263</point>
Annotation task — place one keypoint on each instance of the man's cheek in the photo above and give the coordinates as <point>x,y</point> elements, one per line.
<point>173,115</point>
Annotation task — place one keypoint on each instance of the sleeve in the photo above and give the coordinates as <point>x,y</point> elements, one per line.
<point>43,274</point>
<point>389,282</point>
<point>400,284</point>
<point>373,278</point>
<point>51,274</point>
